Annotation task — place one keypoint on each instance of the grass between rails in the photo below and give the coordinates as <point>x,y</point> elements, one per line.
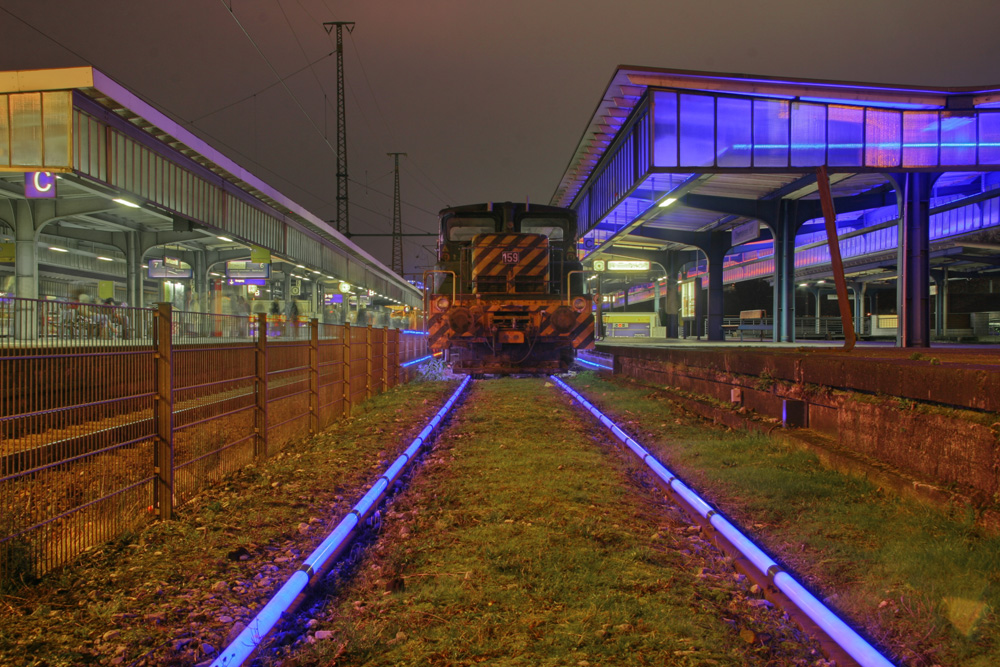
<point>522,541</point>
<point>171,594</point>
<point>922,581</point>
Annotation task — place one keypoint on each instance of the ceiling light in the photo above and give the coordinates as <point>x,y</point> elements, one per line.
<point>299,266</point>
<point>52,247</point>
<point>224,238</point>
<point>125,202</point>
<point>667,202</point>
<point>213,273</point>
<point>104,259</point>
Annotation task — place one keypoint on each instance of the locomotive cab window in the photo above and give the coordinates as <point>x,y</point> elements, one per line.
<point>552,228</point>
<point>464,229</point>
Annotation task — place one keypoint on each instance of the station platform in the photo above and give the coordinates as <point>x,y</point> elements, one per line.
<point>928,415</point>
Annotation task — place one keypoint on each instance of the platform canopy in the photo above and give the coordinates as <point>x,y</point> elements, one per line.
<point>122,171</point>
<point>669,153</point>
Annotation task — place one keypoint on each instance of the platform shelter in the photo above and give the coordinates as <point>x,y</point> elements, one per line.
<point>673,161</point>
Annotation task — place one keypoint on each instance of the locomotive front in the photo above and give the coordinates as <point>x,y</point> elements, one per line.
<point>509,294</point>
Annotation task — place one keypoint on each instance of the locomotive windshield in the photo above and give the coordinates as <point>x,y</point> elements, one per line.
<point>463,229</point>
<point>555,228</point>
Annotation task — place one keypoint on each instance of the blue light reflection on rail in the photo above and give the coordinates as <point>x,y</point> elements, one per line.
<point>416,361</point>
<point>414,332</point>
<point>248,640</point>
<point>591,363</point>
<point>853,643</point>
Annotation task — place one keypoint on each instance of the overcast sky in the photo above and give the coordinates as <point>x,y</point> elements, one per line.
<point>488,98</point>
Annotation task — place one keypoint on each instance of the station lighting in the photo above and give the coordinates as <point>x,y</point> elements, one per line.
<point>667,202</point>
<point>299,266</point>
<point>104,259</point>
<point>52,247</point>
<point>125,202</point>
<point>224,238</point>
<point>213,273</point>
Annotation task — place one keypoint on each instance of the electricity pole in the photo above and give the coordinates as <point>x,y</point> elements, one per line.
<point>343,222</point>
<point>397,222</point>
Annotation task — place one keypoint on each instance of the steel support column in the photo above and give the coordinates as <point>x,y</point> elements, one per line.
<point>913,291</point>
<point>784,275</point>
<point>670,297</point>
<point>717,248</point>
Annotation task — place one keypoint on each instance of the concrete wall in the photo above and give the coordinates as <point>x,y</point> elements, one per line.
<point>939,444</point>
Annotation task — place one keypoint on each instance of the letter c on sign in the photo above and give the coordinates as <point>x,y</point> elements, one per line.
<point>43,181</point>
<point>39,185</point>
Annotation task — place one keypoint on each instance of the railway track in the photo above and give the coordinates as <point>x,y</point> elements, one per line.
<point>528,534</point>
<point>770,584</point>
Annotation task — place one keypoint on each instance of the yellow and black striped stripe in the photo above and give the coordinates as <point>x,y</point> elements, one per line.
<point>489,250</point>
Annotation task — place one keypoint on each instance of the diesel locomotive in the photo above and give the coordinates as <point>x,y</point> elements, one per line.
<point>508,293</point>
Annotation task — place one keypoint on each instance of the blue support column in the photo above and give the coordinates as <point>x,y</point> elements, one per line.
<point>914,278</point>
<point>717,247</point>
<point>672,299</point>
<point>784,275</point>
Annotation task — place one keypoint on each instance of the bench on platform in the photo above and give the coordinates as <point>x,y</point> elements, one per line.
<point>753,320</point>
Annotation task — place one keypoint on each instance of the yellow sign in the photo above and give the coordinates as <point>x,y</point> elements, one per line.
<point>260,255</point>
<point>7,252</point>
<point>106,289</point>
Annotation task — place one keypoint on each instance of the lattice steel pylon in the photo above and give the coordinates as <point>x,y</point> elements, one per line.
<point>397,221</point>
<point>343,221</point>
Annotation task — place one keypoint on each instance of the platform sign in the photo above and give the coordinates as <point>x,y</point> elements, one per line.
<point>749,231</point>
<point>7,252</point>
<point>168,267</point>
<point>260,255</point>
<point>243,269</point>
<point>105,289</point>
<point>39,185</point>
<point>600,265</point>
<point>628,265</point>
<point>247,281</point>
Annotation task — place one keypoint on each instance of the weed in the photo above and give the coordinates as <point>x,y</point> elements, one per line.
<point>17,566</point>
<point>764,381</point>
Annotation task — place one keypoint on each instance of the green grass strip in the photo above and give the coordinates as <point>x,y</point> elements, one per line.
<point>523,541</point>
<point>921,580</point>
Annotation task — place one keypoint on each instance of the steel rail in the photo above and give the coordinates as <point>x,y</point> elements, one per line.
<point>843,636</point>
<point>251,637</point>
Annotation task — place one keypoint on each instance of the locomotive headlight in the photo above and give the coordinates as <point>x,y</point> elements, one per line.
<point>442,303</point>
<point>579,304</point>
<point>563,319</point>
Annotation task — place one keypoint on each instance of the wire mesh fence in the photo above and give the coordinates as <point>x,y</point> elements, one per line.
<point>112,416</point>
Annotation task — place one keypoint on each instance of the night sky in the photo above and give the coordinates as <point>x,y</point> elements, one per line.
<point>489,99</point>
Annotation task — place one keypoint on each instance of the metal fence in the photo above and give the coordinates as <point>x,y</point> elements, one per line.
<point>112,416</point>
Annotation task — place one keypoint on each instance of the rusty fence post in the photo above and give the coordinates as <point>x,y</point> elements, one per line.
<point>260,389</point>
<point>163,453</point>
<point>385,359</point>
<point>347,369</point>
<point>368,361</point>
<point>314,375</point>
<point>396,368</point>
